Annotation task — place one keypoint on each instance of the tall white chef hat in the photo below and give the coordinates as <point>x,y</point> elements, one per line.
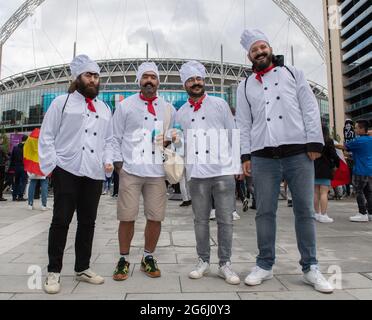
<point>146,67</point>
<point>82,63</point>
<point>250,37</point>
<point>192,69</point>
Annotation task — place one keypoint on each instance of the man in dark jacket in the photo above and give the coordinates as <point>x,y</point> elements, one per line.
<point>16,162</point>
<point>3,159</point>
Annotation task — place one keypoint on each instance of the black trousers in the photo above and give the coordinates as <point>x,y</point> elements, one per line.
<point>73,193</point>
<point>116,183</point>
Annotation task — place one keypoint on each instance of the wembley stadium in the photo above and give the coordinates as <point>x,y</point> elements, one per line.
<point>25,97</point>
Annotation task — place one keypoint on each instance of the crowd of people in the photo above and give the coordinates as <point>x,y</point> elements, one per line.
<point>274,137</point>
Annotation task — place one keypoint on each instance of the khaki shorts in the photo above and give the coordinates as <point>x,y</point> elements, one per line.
<point>154,194</point>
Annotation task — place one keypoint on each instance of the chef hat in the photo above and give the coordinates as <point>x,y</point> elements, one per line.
<point>147,67</point>
<point>192,69</point>
<point>250,37</point>
<point>81,64</point>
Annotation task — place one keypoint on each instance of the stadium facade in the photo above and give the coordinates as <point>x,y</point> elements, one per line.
<point>25,97</point>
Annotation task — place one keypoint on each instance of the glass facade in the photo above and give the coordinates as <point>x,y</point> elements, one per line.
<point>356,44</point>
<point>23,110</point>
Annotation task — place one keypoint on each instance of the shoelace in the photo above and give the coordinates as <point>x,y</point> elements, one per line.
<point>52,277</point>
<point>200,264</point>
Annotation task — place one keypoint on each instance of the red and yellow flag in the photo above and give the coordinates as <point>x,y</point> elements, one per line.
<point>31,155</point>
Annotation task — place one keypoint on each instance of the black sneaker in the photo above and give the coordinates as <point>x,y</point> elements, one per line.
<point>185,203</point>
<point>121,272</point>
<point>150,267</point>
<point>290,203</point>
<point>245,204</point>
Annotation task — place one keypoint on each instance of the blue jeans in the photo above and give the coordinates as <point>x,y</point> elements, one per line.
<point>298,171</point>
<point>222,189</point>
<point>44,191</point>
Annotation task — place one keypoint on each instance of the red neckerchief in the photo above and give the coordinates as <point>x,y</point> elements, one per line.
<point>90,104</point>
<point>259,74</point>
<point>150,106</point>
<point>197,105</point>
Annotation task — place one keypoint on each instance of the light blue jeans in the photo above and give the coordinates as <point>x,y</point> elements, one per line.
<point>298,171</point>
<point>44,191</point>
<point>222,189</point>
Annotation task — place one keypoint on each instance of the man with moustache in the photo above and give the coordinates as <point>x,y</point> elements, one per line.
<point>210,175</point>
<point>75,144</point>
<point>281,136</point>
<point>138,125</point>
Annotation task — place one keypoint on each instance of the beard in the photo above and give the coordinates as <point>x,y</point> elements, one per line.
<point>88,91</point>
<point>193,94</point>
<point>262,65</point>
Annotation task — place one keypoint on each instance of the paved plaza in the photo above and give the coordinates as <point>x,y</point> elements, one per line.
<point>342,246</point>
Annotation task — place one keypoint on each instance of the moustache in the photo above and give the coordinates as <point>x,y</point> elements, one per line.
<point>197,86</point>
<point>148,84</point>
<point>261,55</point>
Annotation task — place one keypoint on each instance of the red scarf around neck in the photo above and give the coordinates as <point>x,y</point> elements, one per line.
<point>150,106</point>
<point>259,74</point>
<point>90,104</point>
<point>197,105</point>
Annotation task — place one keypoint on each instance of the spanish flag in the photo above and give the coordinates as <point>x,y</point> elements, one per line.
<point>31,155</point>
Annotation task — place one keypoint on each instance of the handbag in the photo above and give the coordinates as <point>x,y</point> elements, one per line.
<point>174,164</point>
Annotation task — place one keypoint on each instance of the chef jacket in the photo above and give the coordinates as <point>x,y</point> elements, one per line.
<point>282,111</point>
<point>75,138</point>
<point>134,130</point>
<point>206,155</point>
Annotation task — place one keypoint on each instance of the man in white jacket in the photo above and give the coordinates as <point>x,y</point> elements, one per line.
<point>75,144</point>
<point>281,136</point>
<point>208,131</point>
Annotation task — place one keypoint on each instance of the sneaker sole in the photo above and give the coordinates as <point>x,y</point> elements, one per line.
<point>196,278</point>
<point>229,282</point>
<point>120,277</point>
<point>359,221</point>
<point>79,278</point>
<point>52,291</point>
<point>252,284</point>
<point>317,289</point>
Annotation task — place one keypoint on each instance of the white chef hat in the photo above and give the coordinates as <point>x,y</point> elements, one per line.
<point>81,64</point>
<point>250,37</point>
<point>192,69</point>
<point>146,67</point>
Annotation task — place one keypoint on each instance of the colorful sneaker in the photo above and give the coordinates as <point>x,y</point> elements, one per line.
<point>150,267</point>
<point>121,272</point>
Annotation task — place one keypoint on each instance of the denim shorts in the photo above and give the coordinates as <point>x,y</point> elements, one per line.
<point>323,182</point>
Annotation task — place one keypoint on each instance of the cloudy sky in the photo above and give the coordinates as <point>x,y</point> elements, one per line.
<point>191,29</point>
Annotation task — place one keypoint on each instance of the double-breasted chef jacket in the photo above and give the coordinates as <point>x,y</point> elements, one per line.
<point>200,146</point>
<point>279,114</point>
<point>76,139</point>
<point>134,130</point>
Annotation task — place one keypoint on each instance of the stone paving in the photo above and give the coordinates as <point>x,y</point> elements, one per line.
<point>342,246</point>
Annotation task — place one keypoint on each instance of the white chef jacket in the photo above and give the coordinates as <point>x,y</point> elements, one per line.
<point>76,139</point>
<point>134,128</point>
<point>215,115</point>
<point>283,108</point>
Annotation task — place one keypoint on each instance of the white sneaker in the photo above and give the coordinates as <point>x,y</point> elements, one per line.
<point>258,275</point>
<point>30,207</point>
<point>315,278</point>
<point>359,218</point>
<point>228,274</point>
<point>89,276</point>
<point>44,208</point>
<point>213,215</point>
<point>323,218</point>
<point>201,269</point>
<point>52,283</point>
<point>317,215</point>
<point>235,216</point>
